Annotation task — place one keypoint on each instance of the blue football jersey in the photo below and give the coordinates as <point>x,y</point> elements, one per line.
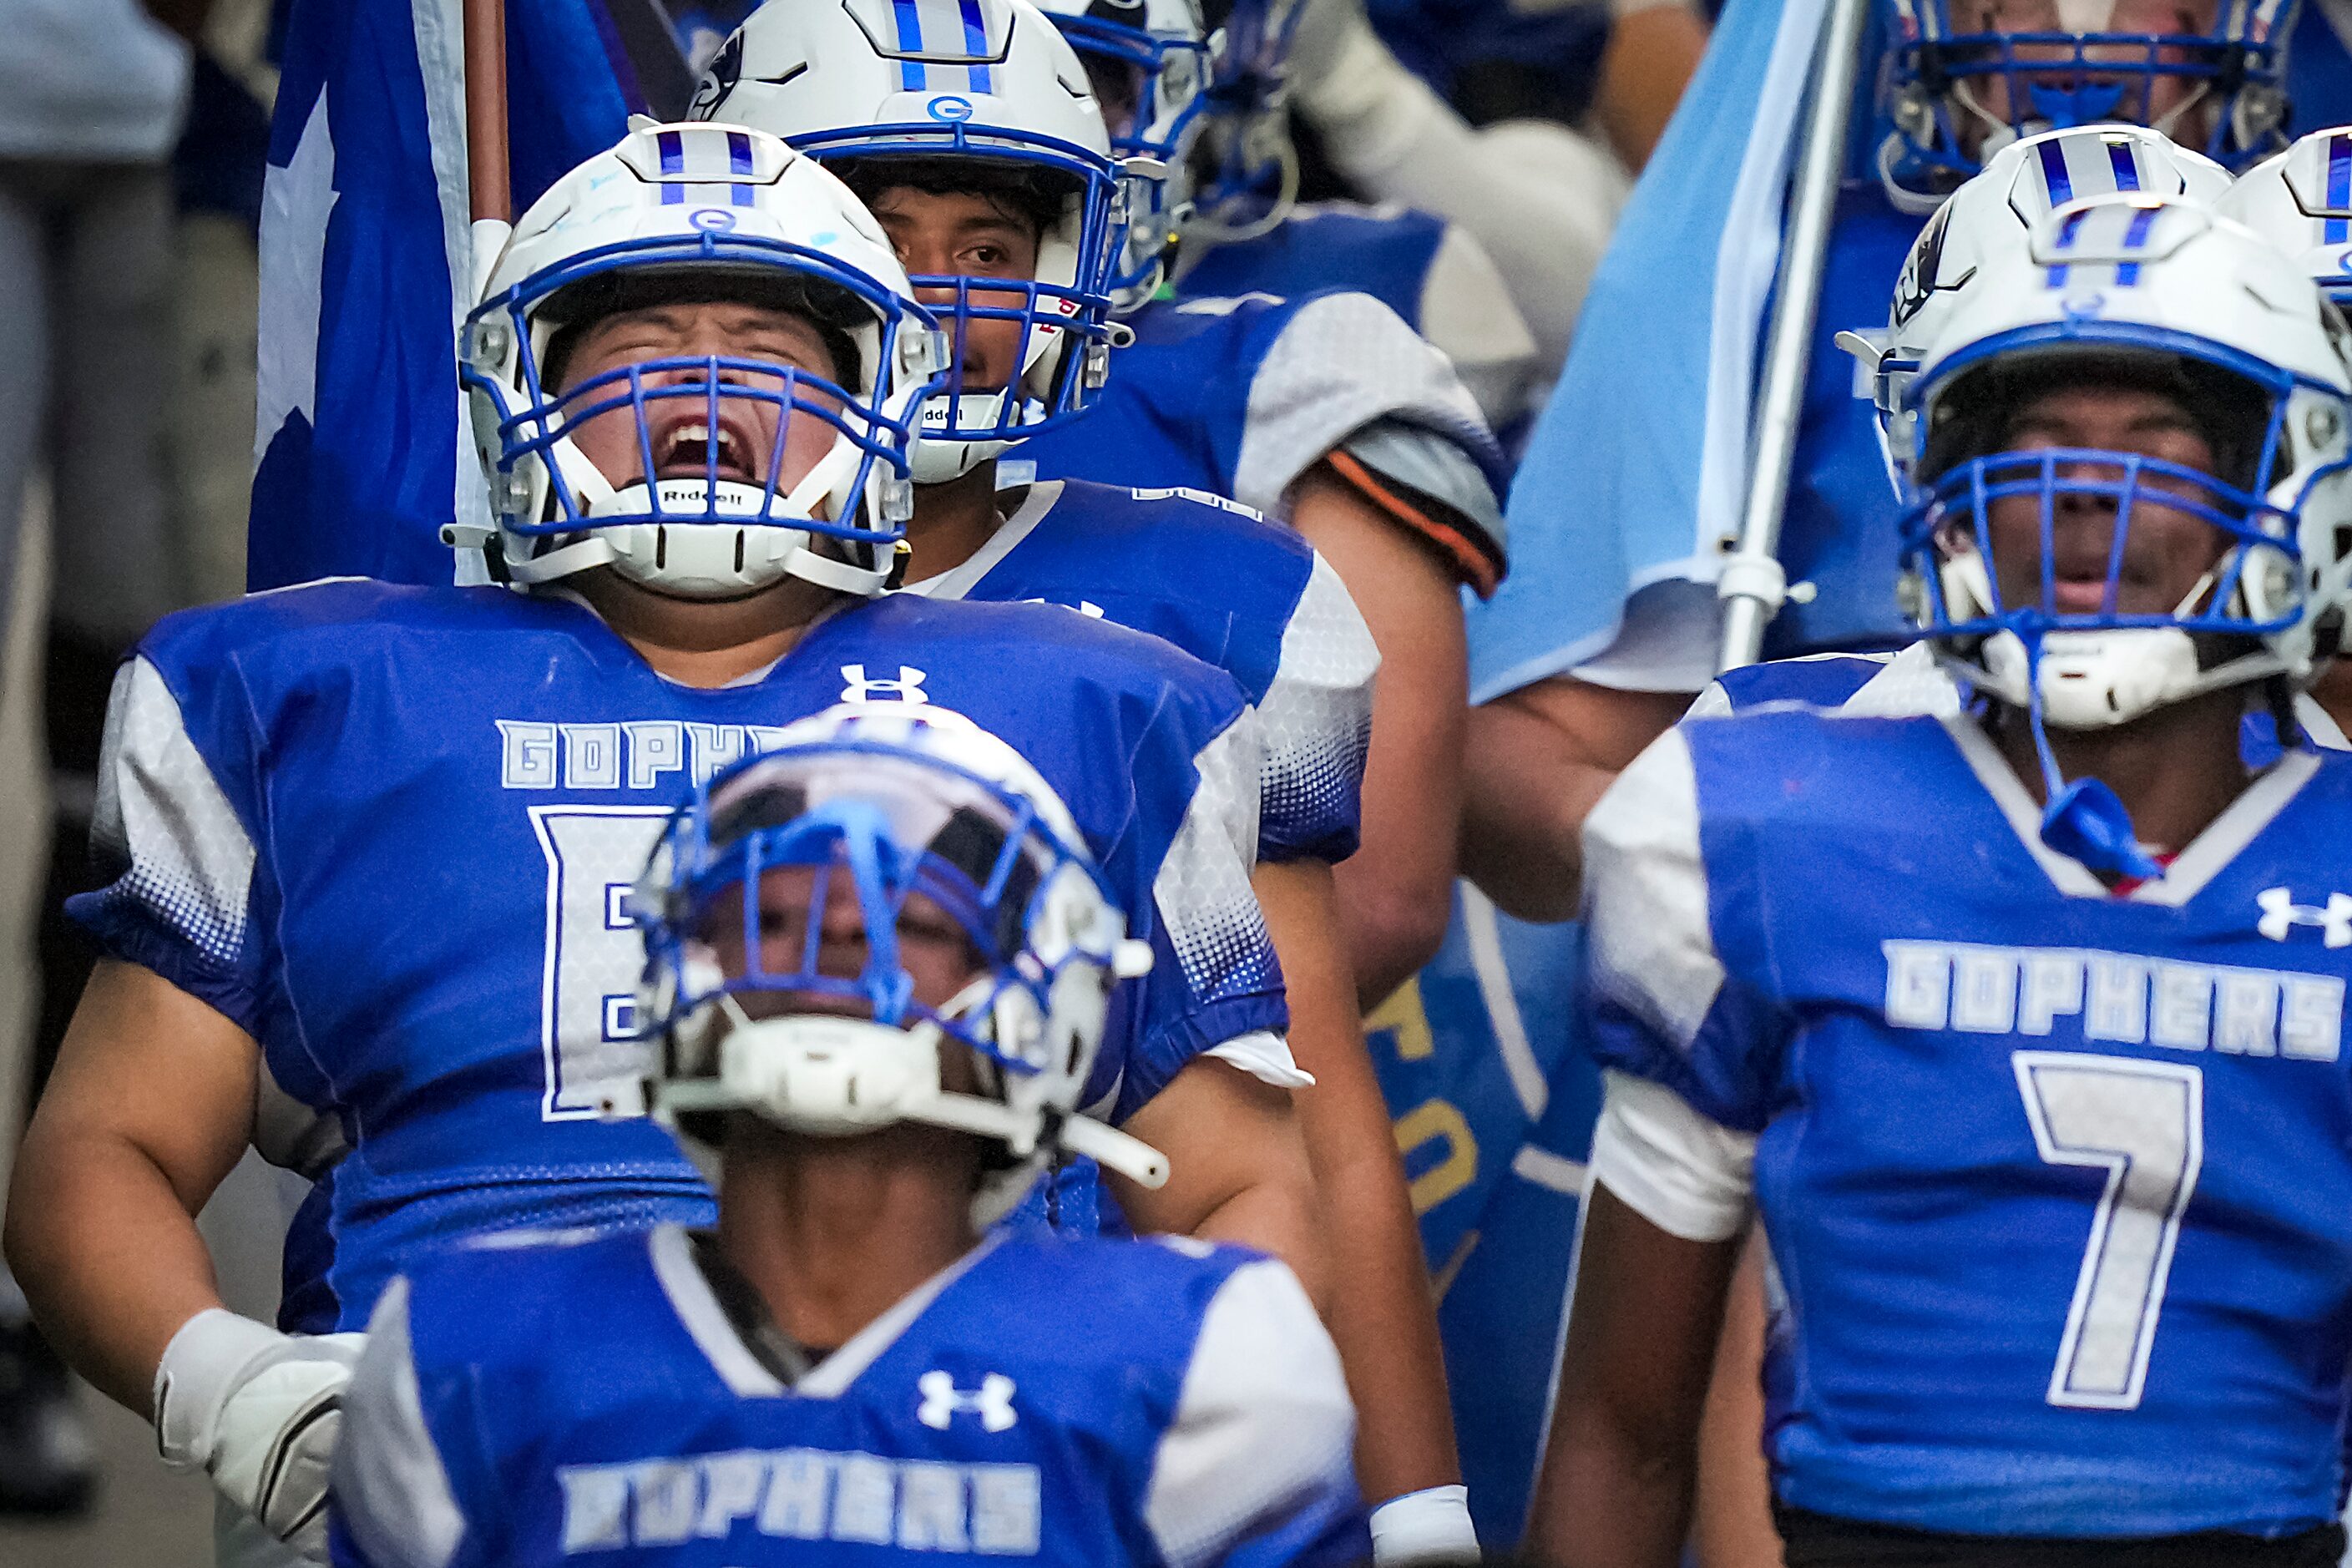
<point>1240,396</point>
<point>391,832</point>
<point>1218,581</point>
<point>2055,1182</point>
<point>1056,1401</point>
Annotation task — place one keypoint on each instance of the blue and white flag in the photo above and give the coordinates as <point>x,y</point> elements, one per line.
<point>1640,462</point>
<point>366,265</point>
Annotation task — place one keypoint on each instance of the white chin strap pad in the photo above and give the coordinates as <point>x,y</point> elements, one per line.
<point>2093,679</point>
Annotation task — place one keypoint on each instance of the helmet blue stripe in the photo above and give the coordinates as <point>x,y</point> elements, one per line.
<point>2125,167</point>
<point>2135,236</point>
<point>913,76</point>
<point>2053,173</point>
<point>975,43</point>
<point>739,152</point>
<point>673,153</point>
<point>2339,185</point>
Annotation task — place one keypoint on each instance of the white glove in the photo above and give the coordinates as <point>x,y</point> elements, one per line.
<point>1427,1527</point>
<point>259,1411</point>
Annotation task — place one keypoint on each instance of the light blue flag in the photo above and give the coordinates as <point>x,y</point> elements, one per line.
<point>1639,464</point>
<point>366,265</point>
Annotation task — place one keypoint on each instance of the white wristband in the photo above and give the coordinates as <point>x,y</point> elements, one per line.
<point>199,1371</point>
<point>1431,1526</point>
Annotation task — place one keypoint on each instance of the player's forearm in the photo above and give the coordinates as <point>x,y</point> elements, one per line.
<point>1385,1322</point>
<point>1609,1500</point>
<point>1381,1317</point>
<point>1392,909</point>
<point>109,1260</point>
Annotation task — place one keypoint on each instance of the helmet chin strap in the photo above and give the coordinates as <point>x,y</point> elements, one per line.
<point>2085,820</point>
<point>836,1076</point>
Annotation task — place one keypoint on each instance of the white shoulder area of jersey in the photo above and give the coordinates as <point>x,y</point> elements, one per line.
<point>1315,717</point>
<point>1689,1176</point>
<point>1649,944</point>
<point>390,1487</point>
<point>1914,683</point>
<point>1203,887</point>
<point>160,807</point>
<point>1263,1427</point>
<point>1341,362</point>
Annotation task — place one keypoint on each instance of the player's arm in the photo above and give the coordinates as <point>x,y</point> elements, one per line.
<point>150,1106</point>
<point>1238,1170</point>
<point>1252,1471</point>
<point>1654,51</point>
<point>1616,1484</point>
<point>1538,759</point>
<point>152,1101</point>
<point>1685,1046</point>
<point>1395,892</point>
<point>1385,1322</point>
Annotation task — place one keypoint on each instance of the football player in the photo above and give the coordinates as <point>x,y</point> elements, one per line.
<point>881,961</point>
<point>372,844</point>
<point>995,184</point>
<point>1564,703</point>
<point>2020,1028</point>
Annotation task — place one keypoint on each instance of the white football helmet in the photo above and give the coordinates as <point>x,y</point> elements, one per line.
<point>2301,201</point>
<point>986,80</point>
<point>2119,288</point>
<point>1996,211</point>
<point>877,802</point>
<point>1148,60</point>
<point>701,212</point>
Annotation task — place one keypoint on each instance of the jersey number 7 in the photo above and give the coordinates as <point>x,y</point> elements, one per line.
<point>2144,1123</point>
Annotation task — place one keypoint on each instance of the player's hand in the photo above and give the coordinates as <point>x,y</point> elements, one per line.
<point>259,1411</point>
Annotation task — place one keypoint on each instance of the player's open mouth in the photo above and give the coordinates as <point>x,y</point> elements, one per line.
<point>683,449</point>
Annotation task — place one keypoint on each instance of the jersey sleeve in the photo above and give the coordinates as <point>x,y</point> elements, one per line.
<point>1662,1006</point>
<point>1214,978</point>
<point>1316,725</point>
<point>1345,371</point>
<point>391,1501</point>
<point>1689,1176</point>
<point>1257,1469</point>
<point>174,833</point>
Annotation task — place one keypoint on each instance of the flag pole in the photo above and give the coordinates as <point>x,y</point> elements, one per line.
<point>1753,586</point>
<point>490,194</point>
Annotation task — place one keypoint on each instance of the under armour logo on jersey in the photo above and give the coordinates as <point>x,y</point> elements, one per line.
<point>856,688</point>
<point>943,1401</point>
<point>2281,914</point>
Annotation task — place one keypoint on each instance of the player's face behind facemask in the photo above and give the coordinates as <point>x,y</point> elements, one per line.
<point>697,364</point>
<point>1970,77</point>
<point>957,225</point>
<point>860,931</point>
<point>2132,523</point>
<point>702,385</point>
